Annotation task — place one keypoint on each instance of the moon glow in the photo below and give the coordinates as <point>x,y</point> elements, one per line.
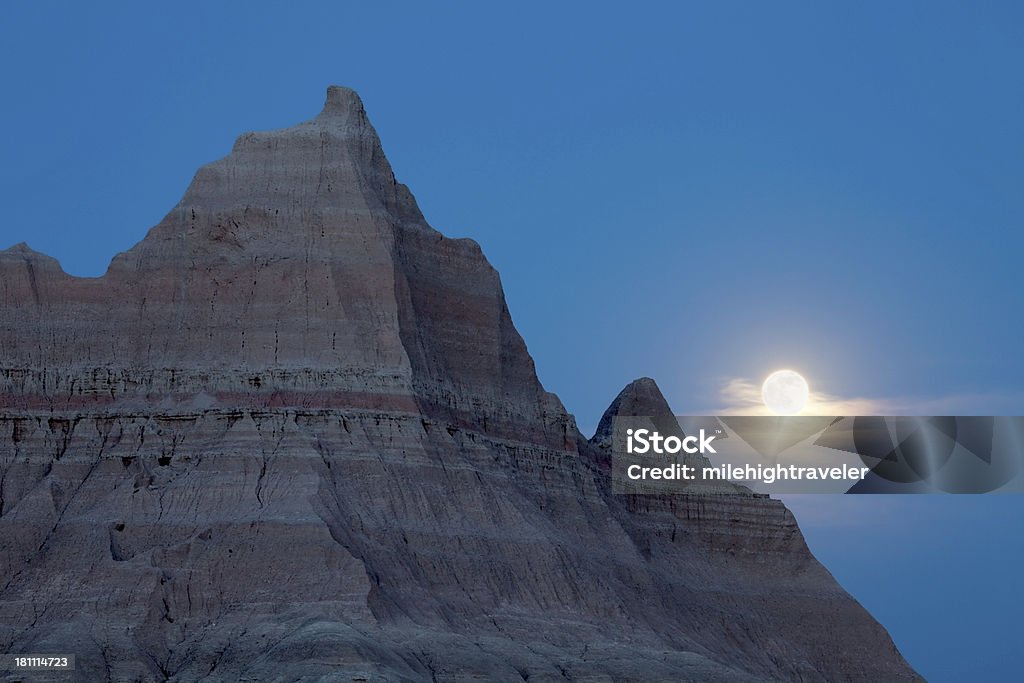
<point>785,392</point>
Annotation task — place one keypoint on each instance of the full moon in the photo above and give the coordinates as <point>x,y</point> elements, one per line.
<point>785,392</point>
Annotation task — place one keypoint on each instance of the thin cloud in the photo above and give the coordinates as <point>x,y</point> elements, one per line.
<point>741,396</point>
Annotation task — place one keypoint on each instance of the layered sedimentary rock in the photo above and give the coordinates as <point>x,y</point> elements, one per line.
<point>294,433</point>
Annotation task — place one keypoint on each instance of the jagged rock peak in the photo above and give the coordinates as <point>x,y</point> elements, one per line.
<point>294,266</point>
<point>342,101</point>
<point>331,162</point>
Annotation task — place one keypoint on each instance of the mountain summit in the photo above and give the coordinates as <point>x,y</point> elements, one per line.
<point>293,433</point>
<point>295,272</point>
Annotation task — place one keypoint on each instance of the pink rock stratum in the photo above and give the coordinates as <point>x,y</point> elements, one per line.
<point>294,434</point>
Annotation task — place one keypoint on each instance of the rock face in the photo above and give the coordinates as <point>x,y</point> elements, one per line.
<point>293,434</point>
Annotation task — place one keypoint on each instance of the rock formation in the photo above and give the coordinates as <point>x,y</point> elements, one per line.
<point>294,434</point>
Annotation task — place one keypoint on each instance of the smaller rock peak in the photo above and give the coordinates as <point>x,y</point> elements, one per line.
<point>643,384</point>
<point>639,398</point>
<point>341,101</point>
<point>642,397</point>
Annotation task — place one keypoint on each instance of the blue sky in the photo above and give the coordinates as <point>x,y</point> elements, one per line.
<point>696,193</point>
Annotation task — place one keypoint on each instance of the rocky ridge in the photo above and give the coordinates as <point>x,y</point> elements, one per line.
<point>294,434</point>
